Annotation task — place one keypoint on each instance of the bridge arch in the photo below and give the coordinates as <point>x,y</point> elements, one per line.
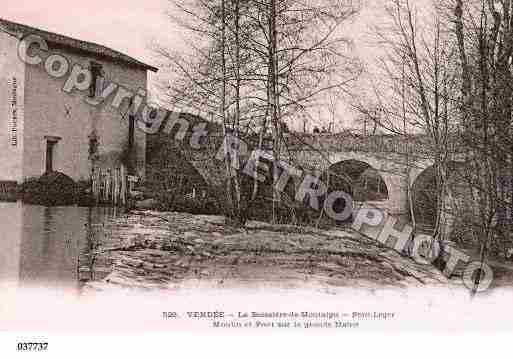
<point>392,170</point>
<point>359,179</point>
<point>424,197</point>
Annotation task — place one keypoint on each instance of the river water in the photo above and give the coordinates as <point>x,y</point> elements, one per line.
<point>49,247</point>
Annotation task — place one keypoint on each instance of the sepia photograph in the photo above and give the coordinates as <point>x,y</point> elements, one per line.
<point>229,167</point>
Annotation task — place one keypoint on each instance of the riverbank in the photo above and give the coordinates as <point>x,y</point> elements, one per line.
<point>168,251</point>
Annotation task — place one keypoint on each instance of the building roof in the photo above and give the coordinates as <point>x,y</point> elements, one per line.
<point>70,42</point>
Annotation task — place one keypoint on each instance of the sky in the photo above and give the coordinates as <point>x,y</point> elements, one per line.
<point>130,26</point>
<point>124,25</point>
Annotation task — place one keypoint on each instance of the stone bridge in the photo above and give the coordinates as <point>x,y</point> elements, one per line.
<point>387,162</point>
<point>374,169</point>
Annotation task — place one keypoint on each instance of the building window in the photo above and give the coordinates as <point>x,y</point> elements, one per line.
<point>51,141</point>
<point>97,80</point>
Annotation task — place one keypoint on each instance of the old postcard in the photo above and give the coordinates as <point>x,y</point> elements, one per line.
<point>335,167</point>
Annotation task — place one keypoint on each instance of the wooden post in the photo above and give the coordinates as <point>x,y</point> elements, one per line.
<point>115,189</point>
<point>101,185</point>
<point>96,185</point>
<point>123,185</point>
<point>107,185</point>
<point>131,134</point>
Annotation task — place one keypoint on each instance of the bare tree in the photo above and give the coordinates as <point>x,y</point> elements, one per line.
<point>370,117</point>
<point>256,64</point>
<point>484,33</point>
<point>416,97</point>
<point>452,81</point>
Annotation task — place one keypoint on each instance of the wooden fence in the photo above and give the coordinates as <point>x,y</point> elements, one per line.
<point>111,186</point>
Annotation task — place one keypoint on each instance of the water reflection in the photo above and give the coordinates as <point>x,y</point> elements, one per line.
<point>51,247</point>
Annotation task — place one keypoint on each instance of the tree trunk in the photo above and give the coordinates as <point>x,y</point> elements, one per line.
<point>222,110</point>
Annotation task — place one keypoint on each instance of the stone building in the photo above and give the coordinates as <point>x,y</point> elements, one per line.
<point>65,105</point>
